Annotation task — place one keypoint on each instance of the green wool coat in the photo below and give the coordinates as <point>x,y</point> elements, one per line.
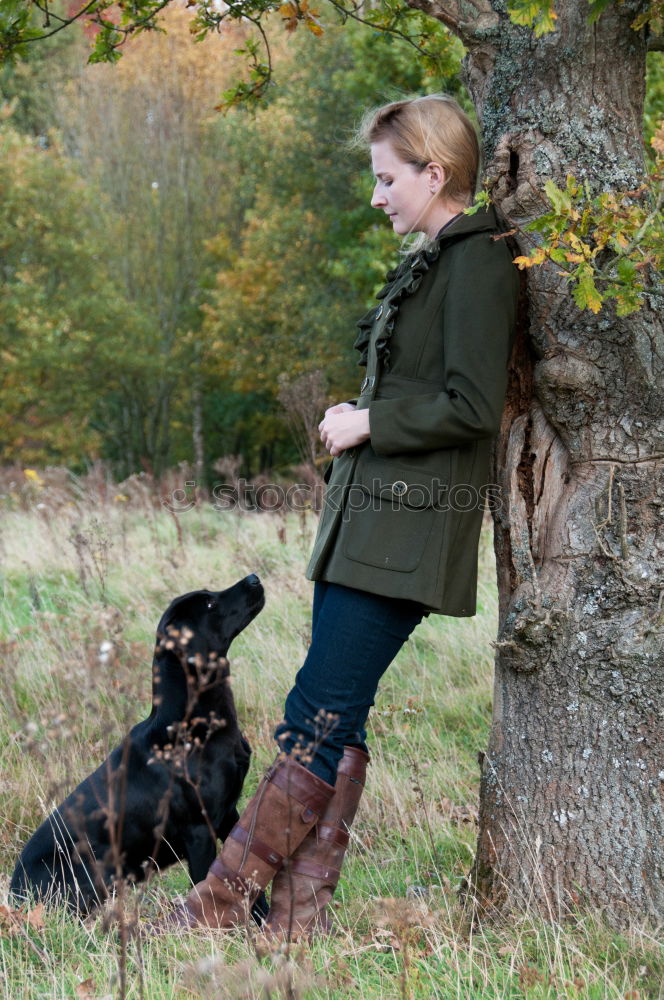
<point>402,512</point>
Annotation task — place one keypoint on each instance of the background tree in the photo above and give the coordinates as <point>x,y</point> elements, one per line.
<point>59,313</point>
<point>152,141</point>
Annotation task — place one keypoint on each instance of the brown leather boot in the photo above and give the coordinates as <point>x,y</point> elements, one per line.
<point>305,884</point>
<point>286,806</point>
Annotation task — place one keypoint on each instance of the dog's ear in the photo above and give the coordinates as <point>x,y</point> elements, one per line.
<point>184,610</point>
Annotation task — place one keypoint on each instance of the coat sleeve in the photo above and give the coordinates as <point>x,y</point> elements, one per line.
<point>478,319</point>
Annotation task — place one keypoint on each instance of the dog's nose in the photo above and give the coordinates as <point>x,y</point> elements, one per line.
<point>253,580</point>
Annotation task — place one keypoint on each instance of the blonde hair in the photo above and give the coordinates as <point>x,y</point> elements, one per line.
<point>430,129</point>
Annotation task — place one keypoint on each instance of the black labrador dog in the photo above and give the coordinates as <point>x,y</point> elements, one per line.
<point>171,788</point>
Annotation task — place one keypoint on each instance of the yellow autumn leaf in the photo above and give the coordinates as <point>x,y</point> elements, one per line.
<point>537,258</point>
<point>586,294</point>
<point>289,13</point>
<point>33,477</point>
<point>313,25</point>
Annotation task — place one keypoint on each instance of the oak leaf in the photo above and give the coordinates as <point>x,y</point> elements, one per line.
<point>85,990</point>
<point>35,917</point>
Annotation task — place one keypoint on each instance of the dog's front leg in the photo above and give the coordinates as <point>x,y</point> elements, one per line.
<point>227,823</point>
<point>200,851</point>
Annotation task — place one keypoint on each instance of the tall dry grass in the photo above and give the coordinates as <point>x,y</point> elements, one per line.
<point>85,577</point>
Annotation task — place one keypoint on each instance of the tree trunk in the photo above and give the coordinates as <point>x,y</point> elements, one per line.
<point>571,791</point>
<point>198,439</point>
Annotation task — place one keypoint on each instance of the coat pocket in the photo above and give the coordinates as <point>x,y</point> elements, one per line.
<point>393,514</point>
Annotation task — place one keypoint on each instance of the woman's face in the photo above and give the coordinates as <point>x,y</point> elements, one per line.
<point>403,192</point>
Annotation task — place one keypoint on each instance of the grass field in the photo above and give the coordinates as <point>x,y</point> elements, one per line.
<point>84,579</point>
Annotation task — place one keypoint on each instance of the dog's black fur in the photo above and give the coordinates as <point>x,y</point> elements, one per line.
<point>189,754</point>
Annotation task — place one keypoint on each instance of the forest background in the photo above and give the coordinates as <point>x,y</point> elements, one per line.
<point>166,267</point>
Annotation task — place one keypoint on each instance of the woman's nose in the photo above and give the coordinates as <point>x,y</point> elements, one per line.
<point>377,199</point>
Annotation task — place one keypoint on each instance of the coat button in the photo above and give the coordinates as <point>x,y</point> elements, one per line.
<point>399,488</point>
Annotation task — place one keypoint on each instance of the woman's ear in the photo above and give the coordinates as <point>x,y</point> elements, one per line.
<point>436,175</point>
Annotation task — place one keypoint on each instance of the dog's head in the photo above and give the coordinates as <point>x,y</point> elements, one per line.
<point>203,623</point>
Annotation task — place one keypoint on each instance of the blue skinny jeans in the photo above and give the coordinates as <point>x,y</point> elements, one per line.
<point>354,638</point>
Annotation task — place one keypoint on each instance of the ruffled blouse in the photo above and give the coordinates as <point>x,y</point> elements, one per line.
<point>400,282</point>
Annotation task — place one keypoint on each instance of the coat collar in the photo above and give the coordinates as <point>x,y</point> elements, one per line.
<point>484,220</point>
<point>406,278</point>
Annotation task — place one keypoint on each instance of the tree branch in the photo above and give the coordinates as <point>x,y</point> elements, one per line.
<point>450,13</point>
<point>49,14</point>
<point>63,23</point>
<point>135,25</point>
<point>354,13</point>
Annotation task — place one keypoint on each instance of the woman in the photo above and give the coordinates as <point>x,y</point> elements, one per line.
<point>398,535</point>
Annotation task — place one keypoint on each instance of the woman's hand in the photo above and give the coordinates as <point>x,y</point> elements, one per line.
<point>344,427</point>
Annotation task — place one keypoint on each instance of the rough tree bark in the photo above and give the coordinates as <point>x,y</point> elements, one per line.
<point>571,792</point>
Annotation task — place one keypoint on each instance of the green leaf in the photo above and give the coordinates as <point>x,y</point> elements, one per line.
<point>586,294</point>
<point>536,14</point>
<point>482,200</point>
<point>626,271</point>
<point>543,223</point>
<point>561,201</point>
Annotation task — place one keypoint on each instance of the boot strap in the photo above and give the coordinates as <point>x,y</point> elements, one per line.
<point>302,866</point>
<point>257,847</point>
<point>236,883</point>
<point>303,786</point>
<point>354,764</point>
<point>332,834</point>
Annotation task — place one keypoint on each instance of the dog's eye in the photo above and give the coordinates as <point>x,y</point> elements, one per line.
<point>211,604</point>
